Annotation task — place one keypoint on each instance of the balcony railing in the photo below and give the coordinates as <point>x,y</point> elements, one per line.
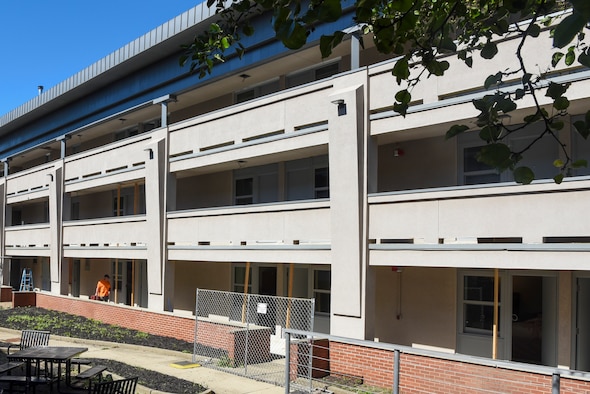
<point>28,236</point>
<point>30,181</point>
<point>291,112</point>
<point>124,156</point>
<point>118,232</point>
<point>500,213</point>
<point>301,223</point>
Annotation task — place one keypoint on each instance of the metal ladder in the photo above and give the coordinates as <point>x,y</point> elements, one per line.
<point>26,281</point>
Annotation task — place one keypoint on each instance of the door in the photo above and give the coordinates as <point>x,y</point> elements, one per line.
<point>534,316</point>
<point>267,286</point>
<point>583,324</point>
<point>76,278</point>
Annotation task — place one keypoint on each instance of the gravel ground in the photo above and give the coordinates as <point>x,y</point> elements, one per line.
<point>67,325</point>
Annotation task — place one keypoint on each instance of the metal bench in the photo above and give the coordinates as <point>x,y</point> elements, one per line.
<point>80,361</point>
<point>121,386</point>
<point>31,338</point>
<point>9,366</point>
<point>84,378</point>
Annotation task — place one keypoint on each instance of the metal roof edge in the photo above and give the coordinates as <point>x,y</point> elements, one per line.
<point>142,44</point>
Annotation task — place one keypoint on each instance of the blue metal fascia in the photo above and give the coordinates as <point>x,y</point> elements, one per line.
<point>155,80</point>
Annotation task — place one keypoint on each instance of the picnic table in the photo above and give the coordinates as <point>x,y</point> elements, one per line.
<point>47,354</point>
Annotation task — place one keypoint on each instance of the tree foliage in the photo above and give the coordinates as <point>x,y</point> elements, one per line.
<point>422,34</point>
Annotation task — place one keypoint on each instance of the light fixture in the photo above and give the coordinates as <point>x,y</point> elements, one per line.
<point>341,106</point>
<point>244,76</point>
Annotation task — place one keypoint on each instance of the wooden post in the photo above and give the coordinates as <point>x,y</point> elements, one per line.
<point>289,294</point>
<point>246,280</point>
<point>495,327</point>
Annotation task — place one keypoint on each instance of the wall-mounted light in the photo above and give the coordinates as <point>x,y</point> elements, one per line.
<point>397,152</point>
<point>341,106</point>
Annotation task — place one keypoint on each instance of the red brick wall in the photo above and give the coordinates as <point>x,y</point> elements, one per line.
<point>420,374</point>
<point>156,323</point>
<point>212,334</point>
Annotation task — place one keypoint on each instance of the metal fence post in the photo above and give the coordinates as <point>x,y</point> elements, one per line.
<point>396,371</point>
<point>310,362</point>
<point>196,324</point>
<point>287,362</point>
<point>555,383</point>
<point>247,334</point>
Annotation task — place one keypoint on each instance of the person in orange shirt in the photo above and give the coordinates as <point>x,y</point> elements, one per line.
<point>103,289</point>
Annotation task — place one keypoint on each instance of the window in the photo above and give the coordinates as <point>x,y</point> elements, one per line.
<point>119,207</point>
<point>263,89</point>
<point>244,191</point>
<point>322,183</point>
<point>474,171</point>
<point>240,278</point>
<point>256,185</point>
<point>321,290</point>
<point>478,304</point>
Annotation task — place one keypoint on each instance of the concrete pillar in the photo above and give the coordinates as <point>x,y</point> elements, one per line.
<point>348,131</point>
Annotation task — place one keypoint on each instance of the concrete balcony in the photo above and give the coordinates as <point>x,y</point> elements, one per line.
<point>117,162</point>
<point>29,184</point>
<point>280,122</point>
<point>297,232</point>
<point>27,240</point>
<point>539,226</point>
<point>118,237</point>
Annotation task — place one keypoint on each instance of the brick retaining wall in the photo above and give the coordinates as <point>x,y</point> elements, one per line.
<point>156,323</point>
<point>374,366</point>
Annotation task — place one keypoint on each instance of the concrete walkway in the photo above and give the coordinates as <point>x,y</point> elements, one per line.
<point>159,360</point>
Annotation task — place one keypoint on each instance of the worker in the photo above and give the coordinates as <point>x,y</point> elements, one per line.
<point>103,289</point>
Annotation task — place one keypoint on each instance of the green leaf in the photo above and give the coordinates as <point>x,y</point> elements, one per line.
<point>570,57</point>
<point>401,70</point>
<point>534,30</point>
<point>558,178</point>
<point>519,93</point>
<point>496,155</point>
<point>329,11</point>
<point>582,128</point>
<point>582,7</point>
<point>455,130</point>
<point>505,105</point>
<point>557,56</point>
<point>561,103</point>
<point>568,29</point>
<point>556,90</point>
<point>248,30</point>
<point>556,125</point>
<point>437,68</point>
<point>490,133</point>
<point>403,96</point>
<point>558,163</point>
<point>400,108</point>
<point>523,175</point>
<point>526,78</point>
<point>225,43</point>
<point>489,50</point>
<point>297,38</point>
<point>584,58</point>
<point>492,80</point>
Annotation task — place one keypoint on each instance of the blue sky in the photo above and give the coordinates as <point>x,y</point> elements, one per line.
<point>43,42</point>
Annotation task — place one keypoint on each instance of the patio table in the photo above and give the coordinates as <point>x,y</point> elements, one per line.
<point>48,354</point>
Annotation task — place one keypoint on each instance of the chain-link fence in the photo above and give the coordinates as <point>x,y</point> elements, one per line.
<point>243,333</point>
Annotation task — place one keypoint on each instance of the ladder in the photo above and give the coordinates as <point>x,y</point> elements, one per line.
<point>26,281</point>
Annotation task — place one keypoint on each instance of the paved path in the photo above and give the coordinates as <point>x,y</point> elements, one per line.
<point>160,360</point>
